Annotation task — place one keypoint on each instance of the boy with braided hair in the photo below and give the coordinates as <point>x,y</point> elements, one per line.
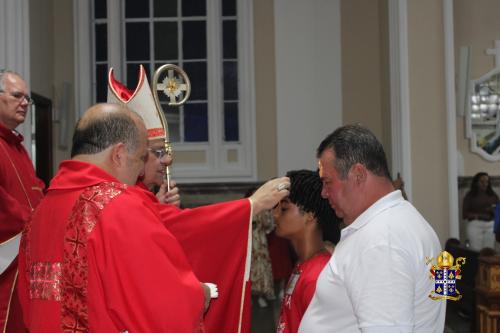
<point>307,220</point>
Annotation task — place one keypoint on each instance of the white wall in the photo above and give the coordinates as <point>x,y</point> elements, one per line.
<point>308,78</point>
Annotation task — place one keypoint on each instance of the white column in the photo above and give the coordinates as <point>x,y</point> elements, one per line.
<point>449,64</point>
<point>399,90</point>
<point>114,44</point>
<point>83,66</point>
<point>15,52</point>
<point>308,78</point>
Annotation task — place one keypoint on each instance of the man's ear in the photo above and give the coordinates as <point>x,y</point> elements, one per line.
<point>359,173</point>
<point>118,154</point>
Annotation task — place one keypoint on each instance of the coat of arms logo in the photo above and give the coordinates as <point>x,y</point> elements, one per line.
<point>445,276</point>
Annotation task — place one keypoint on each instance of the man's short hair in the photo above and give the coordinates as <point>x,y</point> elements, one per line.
<point>101,132</point>
<point>305,192</point>
<point>2,76</point>
<point>355,144</point>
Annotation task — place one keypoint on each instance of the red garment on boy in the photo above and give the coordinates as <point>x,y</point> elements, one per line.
<point>299,292</point>
<point>20,193</point>
<point>96,257</point>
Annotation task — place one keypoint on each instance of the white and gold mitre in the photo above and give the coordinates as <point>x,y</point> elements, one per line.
<point>140,100</point>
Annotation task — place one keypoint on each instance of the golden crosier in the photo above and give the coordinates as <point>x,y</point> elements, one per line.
<point>172,87</point>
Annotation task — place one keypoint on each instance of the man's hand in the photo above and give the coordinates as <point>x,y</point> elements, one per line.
<point>169,197</point>
<point>206,292</point>
<point>270,194</point>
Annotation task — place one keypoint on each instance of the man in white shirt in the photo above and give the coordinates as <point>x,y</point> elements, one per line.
<point>378,277</point>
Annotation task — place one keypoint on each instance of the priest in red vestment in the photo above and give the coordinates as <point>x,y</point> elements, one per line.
<point>95,256</point>
<point>215,238</point>
<point>20,192</point>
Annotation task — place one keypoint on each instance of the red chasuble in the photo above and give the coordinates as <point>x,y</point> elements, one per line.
<point>216,239</point>
<point>96,257</point>
<point>20,193</point>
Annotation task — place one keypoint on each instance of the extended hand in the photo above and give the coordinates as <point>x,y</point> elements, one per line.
<point>270,194</point>
<point>206,292</point>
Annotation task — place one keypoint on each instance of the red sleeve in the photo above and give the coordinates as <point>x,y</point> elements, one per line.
<point>147,281</point>
<point>215,239</point>
<point>13,215</point>
<point>14,207</point>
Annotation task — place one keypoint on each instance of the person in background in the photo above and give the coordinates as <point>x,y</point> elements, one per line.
<point>261,274</point>
<point>377,279</point>
<point>154,174</point>
<point>20,190</point>
<point>307,220</point>
<point>478,209</point>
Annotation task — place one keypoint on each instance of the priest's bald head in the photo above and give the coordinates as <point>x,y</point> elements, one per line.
<point>113,138</point>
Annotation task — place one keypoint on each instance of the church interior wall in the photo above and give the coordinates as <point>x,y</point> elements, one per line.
<point>308,78</point>
<point>428,113</point>
<point>361,66</point>
<point>363,84</point>
<point>265,89</point>
<point>42,47</point>
<point>52,65</point>
<point>64,79</point>
<point>476,25</point>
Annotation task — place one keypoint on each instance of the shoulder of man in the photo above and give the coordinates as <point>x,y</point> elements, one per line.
<point>117,197</point>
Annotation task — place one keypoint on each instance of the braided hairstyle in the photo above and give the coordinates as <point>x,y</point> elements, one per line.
<point>305,192</point>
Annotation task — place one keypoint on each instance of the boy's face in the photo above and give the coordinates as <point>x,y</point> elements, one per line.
<point>290,220</point>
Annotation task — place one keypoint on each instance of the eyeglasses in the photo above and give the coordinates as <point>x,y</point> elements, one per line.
<point>20,96</point>
<point>159,153</point>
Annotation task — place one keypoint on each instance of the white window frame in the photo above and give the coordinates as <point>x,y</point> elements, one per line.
<point>216,168</point>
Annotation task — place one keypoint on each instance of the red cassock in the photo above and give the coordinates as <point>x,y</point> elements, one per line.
<point>216,241</point>
<point>96,257</point>
<point>20,193</point>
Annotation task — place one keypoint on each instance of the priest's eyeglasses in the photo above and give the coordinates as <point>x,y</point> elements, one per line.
<point>159,153</point>
<point>20,96</point>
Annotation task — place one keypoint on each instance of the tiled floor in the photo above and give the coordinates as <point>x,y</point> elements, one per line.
<point>263,319</point>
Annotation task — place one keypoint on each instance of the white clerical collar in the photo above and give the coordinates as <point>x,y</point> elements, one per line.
<point>387,201</point>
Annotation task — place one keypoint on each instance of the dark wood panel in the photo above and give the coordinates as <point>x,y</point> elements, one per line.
<point>43,137</point>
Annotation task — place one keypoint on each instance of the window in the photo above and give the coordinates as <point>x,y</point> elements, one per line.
<point>213,133</point>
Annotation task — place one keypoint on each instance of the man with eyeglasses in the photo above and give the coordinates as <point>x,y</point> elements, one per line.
<point>154,174</point>
<point>215,238</point>
<point>20,191</point>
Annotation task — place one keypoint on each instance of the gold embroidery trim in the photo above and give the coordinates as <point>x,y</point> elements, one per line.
<point>45,281</point>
